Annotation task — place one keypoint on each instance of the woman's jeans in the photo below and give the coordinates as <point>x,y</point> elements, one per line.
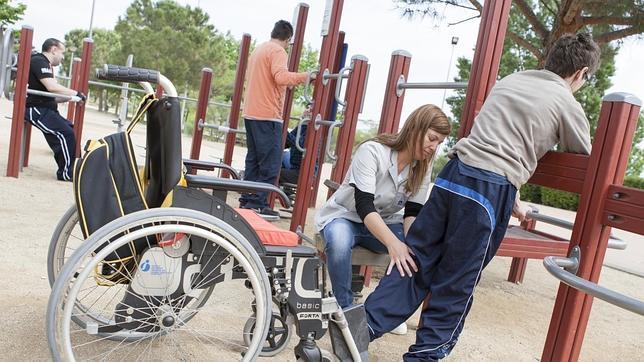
<point>341,236</point>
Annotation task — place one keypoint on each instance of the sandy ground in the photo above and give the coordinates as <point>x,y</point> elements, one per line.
<point>508,322</point>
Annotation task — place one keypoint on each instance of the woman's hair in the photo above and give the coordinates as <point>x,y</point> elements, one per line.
<point>412,135</point>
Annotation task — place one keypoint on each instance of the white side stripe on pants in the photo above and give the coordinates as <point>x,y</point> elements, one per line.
<point>469,299</point>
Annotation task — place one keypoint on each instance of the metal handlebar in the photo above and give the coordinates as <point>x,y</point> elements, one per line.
<point>338,85</point>
<point>613,242</point>
<point>201,124</point>
<point>329,137</point>
<point>305,91</point>
<point>553,265</point>
<point>401,85</point>
<point>53,95</point>
<point>298,134</point>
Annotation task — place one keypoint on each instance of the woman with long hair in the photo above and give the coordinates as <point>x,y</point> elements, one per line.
<point>388,173</point>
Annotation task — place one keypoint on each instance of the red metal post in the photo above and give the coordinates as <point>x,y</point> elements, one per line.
<point>19,101</point>
<point>26,144</point>
<point>200,114</point>
<point>321,154</point>
<point>295,54</point>
<point>611,148</point>
<point>392,104</point>
<point>233,116</point>
<point>519,264</point>
<point>321,94</point>
<point>354,98</point>
<point>487,56</point>
<point>83,86</point>
<point>75,71</point>
<point>294,62</point>
<point>159,91</point>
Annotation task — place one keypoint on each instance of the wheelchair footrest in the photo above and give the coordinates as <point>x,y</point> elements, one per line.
<point>357,320</point>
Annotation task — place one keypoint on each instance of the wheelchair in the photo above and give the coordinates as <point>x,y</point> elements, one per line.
<point>153,264</point>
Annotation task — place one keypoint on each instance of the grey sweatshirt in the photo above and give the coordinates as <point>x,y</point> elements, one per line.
<point>525,115</point>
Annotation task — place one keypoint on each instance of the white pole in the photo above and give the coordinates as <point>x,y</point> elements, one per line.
<point>449,67</point>
<point>124,99</point>
<point>91,19</point>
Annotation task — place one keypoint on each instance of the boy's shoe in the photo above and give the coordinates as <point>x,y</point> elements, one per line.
<point>400,330</point>
<point>267,211</point>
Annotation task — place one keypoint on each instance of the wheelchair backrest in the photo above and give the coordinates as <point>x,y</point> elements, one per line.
<point>163,169</point>
<point>107,182</point>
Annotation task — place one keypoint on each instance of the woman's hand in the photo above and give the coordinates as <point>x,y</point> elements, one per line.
<point>400,255</point>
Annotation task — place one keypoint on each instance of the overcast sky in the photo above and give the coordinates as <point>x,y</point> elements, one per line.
<point>373,28</point>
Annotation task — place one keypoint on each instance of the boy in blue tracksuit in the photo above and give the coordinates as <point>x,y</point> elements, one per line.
<point>459,229</point>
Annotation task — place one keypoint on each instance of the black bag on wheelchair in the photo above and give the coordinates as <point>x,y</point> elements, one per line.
<point>107,180</point>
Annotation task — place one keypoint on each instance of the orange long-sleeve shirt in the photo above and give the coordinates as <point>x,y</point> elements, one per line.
<point>268,77</point>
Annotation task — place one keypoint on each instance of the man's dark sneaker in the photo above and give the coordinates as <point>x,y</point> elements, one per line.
<point>267,211</point>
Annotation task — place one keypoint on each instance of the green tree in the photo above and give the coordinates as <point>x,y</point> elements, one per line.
<point>308,62</point>
<point>106,50</point>
<point>532,28</point>
<point>10,14</point>
<point>178,41</point>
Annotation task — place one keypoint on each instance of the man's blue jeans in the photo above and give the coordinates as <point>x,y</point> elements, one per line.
<point>263,159</point>
<point>341,236</point>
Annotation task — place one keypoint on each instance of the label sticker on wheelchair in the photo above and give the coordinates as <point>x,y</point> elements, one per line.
<point>157,274</point>
<point>309,315</point>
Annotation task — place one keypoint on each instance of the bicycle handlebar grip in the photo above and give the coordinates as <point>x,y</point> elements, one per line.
<point>121,73</point>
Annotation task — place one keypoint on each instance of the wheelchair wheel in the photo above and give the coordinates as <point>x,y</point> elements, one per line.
<point>68,237</point>
<point>279,334</point>
<point>187,253</point>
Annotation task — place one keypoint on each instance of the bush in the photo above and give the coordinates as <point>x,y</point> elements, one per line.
<point>439,163</point>
<point>634,181</point>
<point>531,193</point>
<point>559,199</point>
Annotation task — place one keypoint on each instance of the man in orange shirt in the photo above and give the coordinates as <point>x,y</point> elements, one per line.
<point>268,77</point>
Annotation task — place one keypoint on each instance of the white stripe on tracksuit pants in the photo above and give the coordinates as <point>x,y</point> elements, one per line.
<point>59,135</point>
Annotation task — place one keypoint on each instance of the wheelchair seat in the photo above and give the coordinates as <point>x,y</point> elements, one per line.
<point>268,233</point>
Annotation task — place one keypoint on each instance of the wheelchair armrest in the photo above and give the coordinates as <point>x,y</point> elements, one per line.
<point>209,166</point>
<point>218,183</point>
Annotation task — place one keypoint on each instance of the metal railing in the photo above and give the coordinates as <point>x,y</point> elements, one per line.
<point>554,265</point>
<point>613,242</point>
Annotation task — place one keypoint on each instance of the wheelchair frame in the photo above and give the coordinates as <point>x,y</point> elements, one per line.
<point>294,278</point>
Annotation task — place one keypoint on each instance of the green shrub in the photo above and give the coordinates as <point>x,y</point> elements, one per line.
<point>634,181</point>
<point>439,163</point>
<point>531,193</point>
<point>559,199</point>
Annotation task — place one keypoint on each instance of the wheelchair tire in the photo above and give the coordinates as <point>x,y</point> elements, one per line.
<point>68,233</point>
<point>157,323</point>
<point>59,245</point>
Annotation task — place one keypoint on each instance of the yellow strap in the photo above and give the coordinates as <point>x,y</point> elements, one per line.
<point>146,102</point>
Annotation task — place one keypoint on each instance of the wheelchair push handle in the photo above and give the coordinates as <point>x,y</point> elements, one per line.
<point>121,73</point>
